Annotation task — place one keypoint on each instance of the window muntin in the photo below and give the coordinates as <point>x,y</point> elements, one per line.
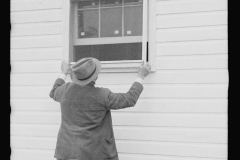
<point>109,24</point>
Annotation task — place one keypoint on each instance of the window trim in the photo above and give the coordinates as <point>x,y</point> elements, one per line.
<point>114,66</point>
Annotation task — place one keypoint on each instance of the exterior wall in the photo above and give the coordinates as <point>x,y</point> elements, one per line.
<point>182,112</point>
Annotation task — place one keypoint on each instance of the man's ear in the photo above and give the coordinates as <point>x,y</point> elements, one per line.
<point>70,72</point>
<point>95,79</point>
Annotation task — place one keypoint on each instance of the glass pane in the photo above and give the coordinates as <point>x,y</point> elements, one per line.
<point>111,22</point>
<point>107,3</point>
<point>87,4</point>
<point>88,23</point>
<point>133,17</point>
<point>109,52</point>
<point>132,2</point>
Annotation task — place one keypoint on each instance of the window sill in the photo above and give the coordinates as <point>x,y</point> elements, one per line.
<point>119,66</point>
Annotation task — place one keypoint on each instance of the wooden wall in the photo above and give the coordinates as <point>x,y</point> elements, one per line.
<point>182,112</point>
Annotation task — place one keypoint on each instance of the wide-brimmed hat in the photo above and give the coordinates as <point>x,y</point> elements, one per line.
<point>85,70</point>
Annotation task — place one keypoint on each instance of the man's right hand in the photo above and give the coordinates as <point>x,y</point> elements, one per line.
<point>144,70</point>
<point>65,67</point>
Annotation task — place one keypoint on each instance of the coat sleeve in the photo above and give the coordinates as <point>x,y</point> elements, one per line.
<point>124,100</point>
<point>57,90</point>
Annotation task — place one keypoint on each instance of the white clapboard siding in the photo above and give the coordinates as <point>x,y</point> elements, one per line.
<point>182,111</point>
<point>30,154</point>
<point>143,105</point>
<point>173,149</point>
<point>164,134</point>
<point>36,41</point>
<point>200,120</point>
<point>192,48</point>
<point>192,34</point>
<point>192,19</point>
<point>50,28</point>
<point>23,5</point>
<point>161,77</point>
<point>163,63</point>
<point>193,62</point>
<point>36,54</point>
<point>124,156</point>
<point>168,119</point>
<point>37,16</point>
<point>138,147</point>
<point>189,6</point>
<point>150,91</point>
<point>36,66</point>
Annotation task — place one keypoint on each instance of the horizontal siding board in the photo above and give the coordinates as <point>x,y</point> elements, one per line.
<point>36,154</point>
<point>39,79</point>
<point>192,34</point>
<point>36,130</point>
<point>168,77</point>
<point>51,28</point>
<point>179,106</point>
<point>186,6</point>
<point>159,77</point>
<point>163,63</point>
<point>171,135</point>
<point>130,119</point>
<point>193,62</point>
<point>158,119</point>
<point>54,15</point>
<point>178,149</point>
<point>134,133</point>
<point>210,91</point>
<point>192,19</point>
<point>32,154</point>
<point>138,147</point>
<point>34,5</point>
<point>34,105</point>
<point>192,48</point>
<point>124,156</point>
<point>153,105</point>
<point>150,91</point>
<point>36,41</point>
<point>36,54</point>
<point>33,142</point>
<point>36,66</point>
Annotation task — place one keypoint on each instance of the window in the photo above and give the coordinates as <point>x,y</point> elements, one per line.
<point>114,31</point>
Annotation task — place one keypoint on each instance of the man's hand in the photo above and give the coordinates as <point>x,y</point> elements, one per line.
<point>65,67</point>
<point>144,70</point>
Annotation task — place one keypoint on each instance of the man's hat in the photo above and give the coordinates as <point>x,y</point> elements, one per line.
<point>85,70</point>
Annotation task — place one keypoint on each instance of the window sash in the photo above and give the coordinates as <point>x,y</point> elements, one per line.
<point>113,40</point>
<point>107,40</point>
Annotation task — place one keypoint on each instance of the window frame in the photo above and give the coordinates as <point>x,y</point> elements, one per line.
<point>148,49</point>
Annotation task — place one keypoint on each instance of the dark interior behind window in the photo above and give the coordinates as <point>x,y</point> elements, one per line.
<point>109,52</point>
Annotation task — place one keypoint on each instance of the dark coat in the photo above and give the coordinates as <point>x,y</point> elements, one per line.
<point>86,131</point>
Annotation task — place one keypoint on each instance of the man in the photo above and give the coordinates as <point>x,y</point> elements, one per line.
<point>86,131</point>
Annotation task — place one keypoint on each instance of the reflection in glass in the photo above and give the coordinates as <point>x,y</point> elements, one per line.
<point>109,52</point>
<point>133,17</point>
<point>87,4</point>
<point>111,3</point>
<point>88,23</point>
<point>130,2</point>
<point>111,22</point>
